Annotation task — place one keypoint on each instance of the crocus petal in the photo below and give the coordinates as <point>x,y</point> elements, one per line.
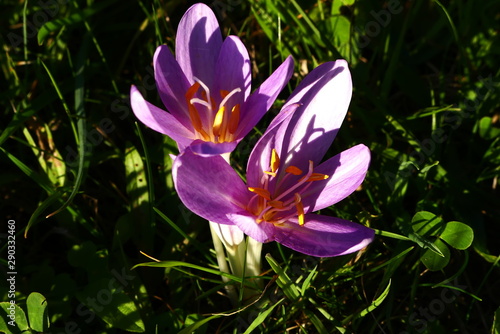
<point>262,232</point>
<point>198,42</point>
<point>347,170</point>
<point>207,148</point>
<point>158,119</point>
<point>325,94</point>
<point>233,70</point>
<point>260,101</point>
<point>171,84</point>
<point>323,236</point>
<point>209,186</point>
<point>260,157</point>
<point>230,235</point>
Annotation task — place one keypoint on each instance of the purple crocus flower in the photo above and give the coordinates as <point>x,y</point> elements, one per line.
<point>206,87</point>
<point>286,178</point>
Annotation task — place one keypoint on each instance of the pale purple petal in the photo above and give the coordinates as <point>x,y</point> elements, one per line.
<point>172,84</point>
<point>323,236</point>
<point>207,148</point>
<point>262,232</point>
<point>325,94</point>
<point>198,42</point>
<point>209,186</point>
<point>260,101</point>
<point>260,157</point>
<point>347,170</point>
<point>233,71</point>
<point>158,119</point>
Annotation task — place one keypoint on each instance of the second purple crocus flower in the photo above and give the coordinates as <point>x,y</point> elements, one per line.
<point>206,87</point>
<point>286,178</point>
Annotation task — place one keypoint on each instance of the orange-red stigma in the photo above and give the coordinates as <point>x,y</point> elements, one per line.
<point>277,208</point>
<point>210,122</point>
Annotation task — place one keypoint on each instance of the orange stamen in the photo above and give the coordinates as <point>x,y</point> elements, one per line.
<point>192,90</point>
<point>293,170</point>
<point>300,208</point>
<point>195,118</point>
<point>264,193</point>
<point>276,204</point>
<point>317,177</point>
<point>234,119</point>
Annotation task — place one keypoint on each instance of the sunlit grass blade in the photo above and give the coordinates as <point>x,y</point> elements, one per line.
<point>307,281</point>
<point>261,317</point>
<point>192,328</point>
<point>376,303</point>
<point>284,282</point>
<point>174,264</point>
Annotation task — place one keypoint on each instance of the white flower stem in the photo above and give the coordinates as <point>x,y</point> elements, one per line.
<point>221,261</point>
<point>244,258</point>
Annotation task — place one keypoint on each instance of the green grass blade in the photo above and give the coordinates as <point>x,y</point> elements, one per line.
<point>39,179</point>
<point>284,281</point>
<point>83,161</point>
<point>174,264</point>
<point>261,317</point>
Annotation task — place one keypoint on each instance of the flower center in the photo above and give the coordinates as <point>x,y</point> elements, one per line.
<point>277,208</point>
<point>211,122</point>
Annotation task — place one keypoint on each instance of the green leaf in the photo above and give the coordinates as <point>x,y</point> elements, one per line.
<point>433,261</point>
<point>40,179</point>
<point>54,25</point>
<point>284,282</point>
<point>173,264</point>
<point>191,329</point>
<point>487,130</point>
<point>12,318</point>
<point>106,298</point>
<point>458,235</point>
<point>318,324</point>
<point>495,329</point>
<point>377,301</point>
<point>261,317</point>
<point>83,160</point>
<point>37,312</point>
<point>426,224</point>
<point>307,281</point>
<point>425,244</point>
<point>136,177</point>
<point>41,208</point>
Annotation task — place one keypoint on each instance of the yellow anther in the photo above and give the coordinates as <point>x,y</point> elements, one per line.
<point>234,119</point>
<point>317,177</point>
<point>276,204</point>
<point>270,173</point>
<point>300,208</point>
<point>293,170</point>
<point>218,121</point>
<point>275,160</point>
<point>261,192</point>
